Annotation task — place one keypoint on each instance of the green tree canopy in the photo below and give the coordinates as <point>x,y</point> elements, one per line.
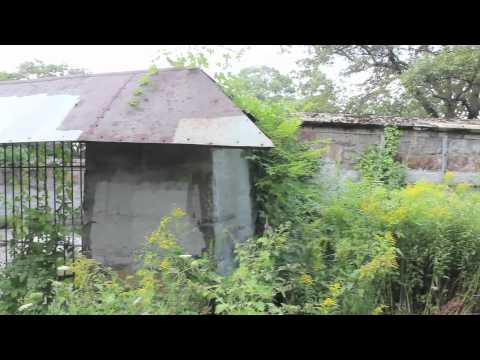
<point>267,83</point>
<point>423,80</point>
<point>38,69</point>
<point>303,91</point>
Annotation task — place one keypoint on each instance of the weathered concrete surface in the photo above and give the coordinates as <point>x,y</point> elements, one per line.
<point>427,153</point>
<point>130,187</point>
<point>233,219</point>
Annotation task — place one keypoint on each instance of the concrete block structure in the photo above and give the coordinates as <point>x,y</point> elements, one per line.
<point>179,143</point>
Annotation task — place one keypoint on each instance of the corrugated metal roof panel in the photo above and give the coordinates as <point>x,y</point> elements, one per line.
<point>36,118</point>
<point>178,107</point>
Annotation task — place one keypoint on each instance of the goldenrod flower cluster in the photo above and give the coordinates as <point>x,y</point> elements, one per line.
<point>178,213</point>
<point>166,242</point>
<point>379,309</point>
<point>335,289</point>
<point>165,264</point>
<point>329,302</point>
<point>448,177</point>
<point>306,279</point>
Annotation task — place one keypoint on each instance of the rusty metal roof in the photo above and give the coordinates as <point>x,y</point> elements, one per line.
<point>179,106</point>
<point>325,119</point>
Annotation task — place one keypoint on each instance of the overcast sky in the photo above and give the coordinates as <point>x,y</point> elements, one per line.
<point>112,58</point>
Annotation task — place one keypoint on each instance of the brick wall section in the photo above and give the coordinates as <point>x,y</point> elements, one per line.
<point>428,153</point>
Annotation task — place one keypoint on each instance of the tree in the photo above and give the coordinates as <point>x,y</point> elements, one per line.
<point>383,102</point>
<point>38,69</point>
<point>267,83</point>
<point>318,93</point>
<point>438,81</point>
<point>449,79</point>
<point>300,91</point>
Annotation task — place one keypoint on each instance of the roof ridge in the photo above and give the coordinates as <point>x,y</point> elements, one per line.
<point>53,78</point>
<point>316,115</point>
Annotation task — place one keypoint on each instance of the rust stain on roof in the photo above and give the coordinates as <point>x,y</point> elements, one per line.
<point>180,106</point>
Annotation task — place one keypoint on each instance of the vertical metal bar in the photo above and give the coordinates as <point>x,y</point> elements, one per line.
<point>29,178</point>
<point>20,168</point>
<point>46,178</point>
<point>5,200</point>
<point>73,200</point>
<point>45,181</point>
<point>37,175</point>
<point>54,193</point>
<point>80,153</point>
<point>63,201</point>
<point>21,182</point>
<point>13,201</point>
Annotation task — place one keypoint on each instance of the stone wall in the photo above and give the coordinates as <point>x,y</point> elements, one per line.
<point>427,153</point>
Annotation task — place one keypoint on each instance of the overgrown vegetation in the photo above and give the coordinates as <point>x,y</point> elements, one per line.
<point>435,233</point>
<point>27,279</point>
<point>373,250</point>
<point>143,82</point>
<point>377,246</point>
<point>378,163</point>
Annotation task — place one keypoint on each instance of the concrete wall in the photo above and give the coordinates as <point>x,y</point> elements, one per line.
<point>233,218</point>
<point>130,187</point>
<point>428,154</point>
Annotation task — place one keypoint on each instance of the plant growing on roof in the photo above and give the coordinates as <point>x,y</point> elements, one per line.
<point>143,82</point>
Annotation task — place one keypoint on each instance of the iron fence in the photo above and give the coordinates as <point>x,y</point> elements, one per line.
<point>41,197</point>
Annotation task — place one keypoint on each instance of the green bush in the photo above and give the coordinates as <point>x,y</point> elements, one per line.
<point>265,282</point>
<point>167,281</point>
<point>436,236</point>
<point>373,250</point>
<point>378,163</point>
<point>26,282</point>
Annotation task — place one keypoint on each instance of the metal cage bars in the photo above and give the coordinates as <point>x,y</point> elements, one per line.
<point>41,179</point>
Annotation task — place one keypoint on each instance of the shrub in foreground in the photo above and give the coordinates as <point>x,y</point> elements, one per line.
<point>436,232</point>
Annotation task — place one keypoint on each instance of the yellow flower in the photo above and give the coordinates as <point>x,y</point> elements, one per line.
<point>379,264</point>
<point>464,186</point>
<point>379,309</point>
<point>372,208</point>
<point>178,213</point>
<point>413,190</point>
<point>306,279</point>
<point>166,243</point>
<point>396,215</point>
<point>153,237</point>
<point>335,289</point>
<point>438,211</point>
<point>389,238</point>
<point>329,302</point>
<point>448,177</point>
<point>165,264</point>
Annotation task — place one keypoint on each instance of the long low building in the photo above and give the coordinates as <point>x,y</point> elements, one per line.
<point>428,147</point>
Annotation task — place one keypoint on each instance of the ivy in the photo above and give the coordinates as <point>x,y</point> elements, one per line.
<point>378,163</point>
